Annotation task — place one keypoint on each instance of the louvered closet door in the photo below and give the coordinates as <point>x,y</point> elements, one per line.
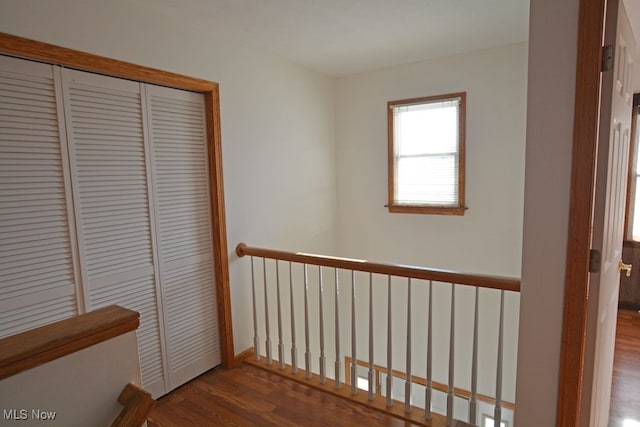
<point>110,184</point>
<point>37,279</point>
<point>181,193</point>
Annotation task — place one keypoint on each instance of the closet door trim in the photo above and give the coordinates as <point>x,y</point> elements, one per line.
<point>30,49</point>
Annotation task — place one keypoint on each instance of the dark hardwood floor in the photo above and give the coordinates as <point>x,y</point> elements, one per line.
<point>625,391</point>
<point>248,396</point>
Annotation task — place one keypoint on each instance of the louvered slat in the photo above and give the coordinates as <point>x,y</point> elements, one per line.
<point>36,314</point>
<point>178,140</point>
<point>138,295</point>
<point>37,284</point>
<point>107,148</point>
<point>104,177</point>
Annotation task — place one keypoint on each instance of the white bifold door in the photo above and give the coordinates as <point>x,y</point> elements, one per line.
<point>107,202</point>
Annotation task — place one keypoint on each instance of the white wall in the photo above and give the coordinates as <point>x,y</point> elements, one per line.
<point>487,239</point>
<point>277,120</point>
<point>82,388</point>
<point>550,110</point>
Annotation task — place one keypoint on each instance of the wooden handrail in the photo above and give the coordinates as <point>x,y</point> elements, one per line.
<point>41,345</point>
<point>438,275</point>
<point>137,405</point>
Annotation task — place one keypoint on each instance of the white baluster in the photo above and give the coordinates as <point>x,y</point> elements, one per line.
<point>452,336</point>
<point>294,350</point>
<point>354,373</point>
<point>323,362</point>
<point>280,344</point>
<point>429,387</point>
<point>256,339</point>
<point>389,345</point>
<point>307,352</point>
<point>266,313</point>
<point>371,375</point>
<point>337,324</point>
<point>473,402</point>
<point>407,384</point>
<point>497,413</point>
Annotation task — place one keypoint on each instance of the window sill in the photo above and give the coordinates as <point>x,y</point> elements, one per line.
<point>432,210</point>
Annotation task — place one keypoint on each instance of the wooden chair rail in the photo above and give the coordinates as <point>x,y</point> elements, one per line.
<point>137,405</point>
<point>41,345</point>
<point>448,276</point>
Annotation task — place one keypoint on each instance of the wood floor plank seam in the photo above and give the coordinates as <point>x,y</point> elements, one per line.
<point>246,396</point>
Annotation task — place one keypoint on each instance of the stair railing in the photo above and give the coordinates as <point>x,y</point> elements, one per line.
<point>397,276</point>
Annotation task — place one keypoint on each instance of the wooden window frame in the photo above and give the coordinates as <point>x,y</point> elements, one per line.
<point>458,209</point>
<point>51,54</point>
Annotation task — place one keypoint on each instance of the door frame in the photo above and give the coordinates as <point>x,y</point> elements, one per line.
<point>585,145</point>
<point>44,52</point>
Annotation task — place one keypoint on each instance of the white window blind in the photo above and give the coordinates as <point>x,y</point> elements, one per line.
<point>426,152</point>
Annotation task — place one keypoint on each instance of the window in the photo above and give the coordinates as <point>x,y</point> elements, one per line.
<point>633,199</point>
<point>488,421</point>
<point>426,154</point>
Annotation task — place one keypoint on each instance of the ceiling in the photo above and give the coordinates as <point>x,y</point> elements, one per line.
<point>341,37</point>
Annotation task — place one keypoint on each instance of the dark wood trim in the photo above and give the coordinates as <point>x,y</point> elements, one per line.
<point>585,140</point>
<point>457,391</point>
<point>394,207</point>
<point>137,405</point>
<point>448,276</point>
<point>35,347</point>
<point>35,50</point>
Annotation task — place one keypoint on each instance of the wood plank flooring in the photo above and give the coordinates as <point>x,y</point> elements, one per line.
<point>248,396</point>
<point>625,391</point>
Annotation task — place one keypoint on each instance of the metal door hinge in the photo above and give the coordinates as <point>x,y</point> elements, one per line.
<point>595,259</point>
<point>608,54</point>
